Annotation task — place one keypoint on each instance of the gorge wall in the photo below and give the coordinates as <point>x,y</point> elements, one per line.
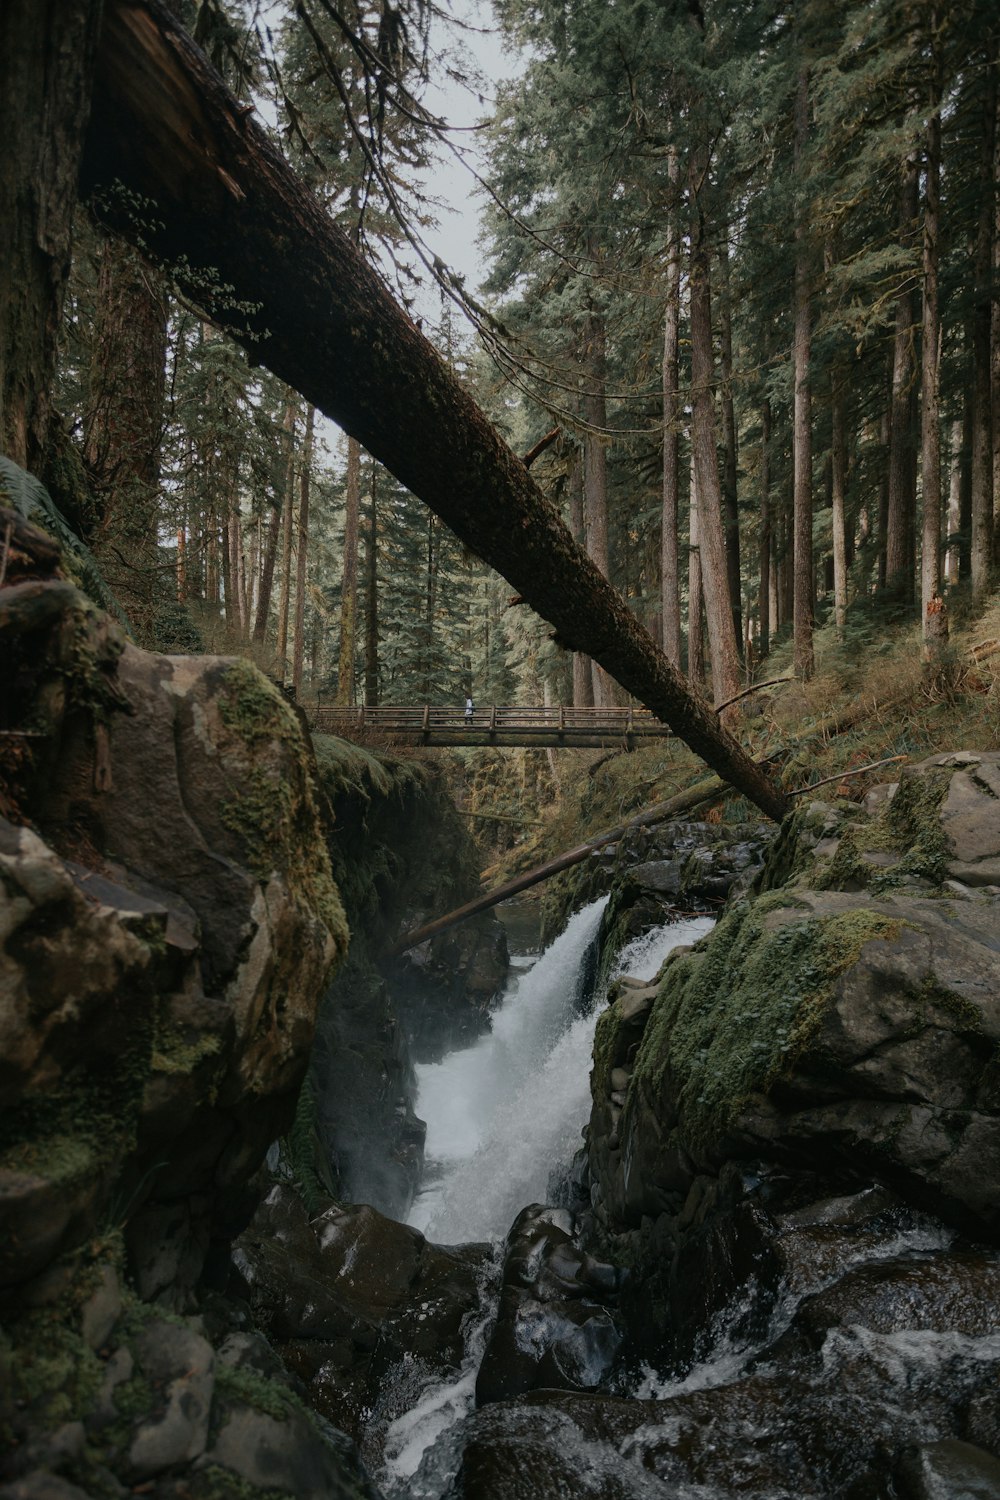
<point>171,924</point>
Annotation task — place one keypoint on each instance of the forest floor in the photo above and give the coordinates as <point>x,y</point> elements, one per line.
<point>869,699</point>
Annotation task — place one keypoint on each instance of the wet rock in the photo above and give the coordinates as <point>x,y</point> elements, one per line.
<point>180,1368</point>
<point>949,1470</point>
<point>959,1293</point>
<point>554,1326</point>
<point>350,1295</point>
<point>667,865</point>
<point>364,1086</point>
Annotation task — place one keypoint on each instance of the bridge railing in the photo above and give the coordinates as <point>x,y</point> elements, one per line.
<point>492,719</point>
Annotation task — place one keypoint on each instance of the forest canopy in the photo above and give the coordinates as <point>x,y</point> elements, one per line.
<point>742,272</point>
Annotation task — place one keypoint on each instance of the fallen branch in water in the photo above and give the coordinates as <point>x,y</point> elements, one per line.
<point>705,791</point>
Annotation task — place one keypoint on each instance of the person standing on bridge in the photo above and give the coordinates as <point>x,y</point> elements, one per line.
<point>469,710</point>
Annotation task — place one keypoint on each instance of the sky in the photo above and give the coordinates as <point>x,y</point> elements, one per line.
<point>455,238</point>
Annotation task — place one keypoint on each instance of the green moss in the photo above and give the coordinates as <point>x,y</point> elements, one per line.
<point>908,826</point>
<point>64,1160</point>
<point>733,1013</point>
<point>267,1396</point>
<point>175,1052</point>
<point>134,1398</point>
<point>54,1373</point>
<point>215,1483</point>
<point>605,1048</point>
<point>275,815</point>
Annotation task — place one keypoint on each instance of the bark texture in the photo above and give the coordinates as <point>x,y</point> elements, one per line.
<point>802,503</point>
<point>349,586</point>
<point>930,354</point>
<point>722,642</point>
<point>125,427</point>
<point>670,600</point>
<point>49,47</point>
<point>313,311</point>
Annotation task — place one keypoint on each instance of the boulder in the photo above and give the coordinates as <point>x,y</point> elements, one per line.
<point>349,1296</point>
<point>555,1326</point>
<point>164,947</point>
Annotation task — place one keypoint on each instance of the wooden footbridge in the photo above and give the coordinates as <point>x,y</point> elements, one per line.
<point>558,728</point>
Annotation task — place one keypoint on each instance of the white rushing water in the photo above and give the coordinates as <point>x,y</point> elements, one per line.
<point>504,1113</point>
<point>501,1116</point>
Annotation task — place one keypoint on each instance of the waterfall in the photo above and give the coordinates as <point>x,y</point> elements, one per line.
<point>502,1116</point>
<point>500,1113</point>
<point>505,1113</point>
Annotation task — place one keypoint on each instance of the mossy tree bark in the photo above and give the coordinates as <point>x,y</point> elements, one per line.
<point>290,285</point>
<point>48,49</point>
<point>125,428</point>
<point>302,554</point>
<point>349,587</point>
<point>670,593</point>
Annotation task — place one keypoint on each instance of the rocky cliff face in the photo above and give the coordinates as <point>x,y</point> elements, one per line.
<point>168,922</point>
<point>400,852</point>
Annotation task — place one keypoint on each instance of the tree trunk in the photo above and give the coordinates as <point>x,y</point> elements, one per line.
<point>670,594</point>
<point>982,309</point>
<point>696,645</point>
<point>234,598</point>
<point>349,587</point>
<point>430,601</point>
<point>324,322</point>
<point>764,595</point>
<point>954,503</point>
<point>371,601</point>
<point>722,642</point>
<point>125,426</point>
<point>802,501</point>
<point>595,470</point>
<point>281,648</point>
<point>48,49</point>
<point>583,680</point>
<point>902,470</point>
<point>274,527</point>
<point>302,556</point>
<point>995,324</point>
<point>838,493</point>
<point>930,360</point>
<point>730,498</point>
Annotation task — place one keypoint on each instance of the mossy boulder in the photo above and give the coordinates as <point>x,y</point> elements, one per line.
<point>818,1029</point>
<point>166,947</point>
<point>823,1039</point>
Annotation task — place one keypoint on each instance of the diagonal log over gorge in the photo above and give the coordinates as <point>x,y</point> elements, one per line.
<point>224,202</point>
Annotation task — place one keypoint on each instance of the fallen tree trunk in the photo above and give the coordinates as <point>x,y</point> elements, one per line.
<point>207,193</point>
<point>705,791</point>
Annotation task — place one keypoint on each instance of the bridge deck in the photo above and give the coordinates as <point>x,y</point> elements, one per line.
<point>576,728</point>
